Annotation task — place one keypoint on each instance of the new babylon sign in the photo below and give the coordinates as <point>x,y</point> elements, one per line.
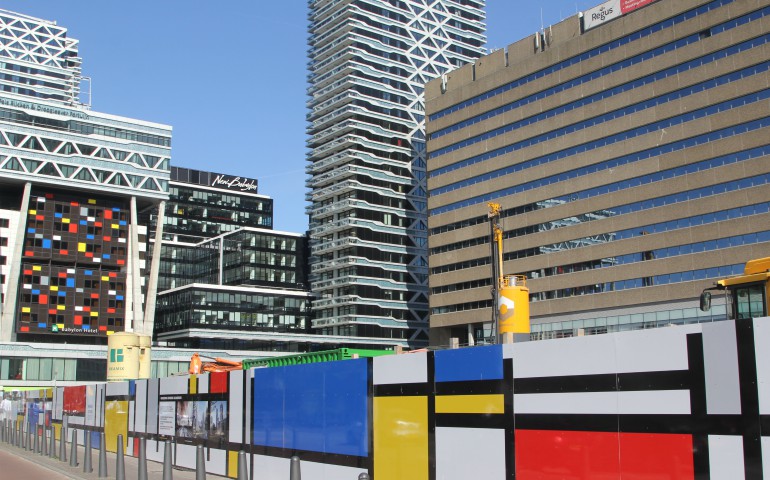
<point>593,17</point>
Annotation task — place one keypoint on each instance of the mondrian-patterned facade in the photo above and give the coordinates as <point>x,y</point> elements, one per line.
<point>73,270</point>
<point>683,402</point>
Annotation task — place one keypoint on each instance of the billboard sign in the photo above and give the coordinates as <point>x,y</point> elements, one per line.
<point>593,17</point>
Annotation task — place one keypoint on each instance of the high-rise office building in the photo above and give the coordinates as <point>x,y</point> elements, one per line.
<point>628,148</point>
<point>73,182</point>
<point>369,62</point>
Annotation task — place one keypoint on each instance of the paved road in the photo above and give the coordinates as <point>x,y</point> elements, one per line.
<point>16,467</point>
<point>19,464</point>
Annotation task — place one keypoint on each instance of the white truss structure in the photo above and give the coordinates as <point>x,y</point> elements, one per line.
<point>369,62</point>
<point>40,60</point>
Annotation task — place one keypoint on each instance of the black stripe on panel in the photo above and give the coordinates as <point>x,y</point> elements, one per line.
<point>479,387</point>
<point>698,410</point>
<point>402,390</point>
<point>432,416</point>
<point>472,420</point>
<point>747,373</point>
<point>510,431</point>
<point>605,382</point>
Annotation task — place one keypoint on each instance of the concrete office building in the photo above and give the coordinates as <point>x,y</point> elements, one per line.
<point>628,147</point>
<point>369,61</point>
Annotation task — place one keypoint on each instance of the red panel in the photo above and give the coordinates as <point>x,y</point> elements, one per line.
<point>97,224</point>
<point>52,311</point>
<point>62,274</point>
<point>27,272</point>
<point>28,253</point>
<point>113,275</point>
<point>110,310</point>
<point>121,262</point>
<point>74,400</point>
<point>24,329</point>
<point>89,254</point>
<point>78,320</point>
<point>39,217</point>
<point>553,454</point>
<point>136,446</point>
<point>102,328</point>
<point>73,228</point>
<point>108,214</point>
<point>64,252</point>
<point>49,195</point>
<point>218,382</point>
<point>42,299</point>
<point>94,295</point>
<point>107,239</point>
<point>647,455</point>
<point>86,309</point>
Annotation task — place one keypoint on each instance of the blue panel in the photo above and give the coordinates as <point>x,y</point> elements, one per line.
<point>57,215</point>
<point>132,388</point>
<point>30,230</point>
<point>122,222</point>
<point>119,297</point>
<point>70,282</point>
<point>36,292</point>
<point>41,325</point>
<point>46,243</point>
<point>106,255</point>
<point>89,237</point>
<point>86,327</point>
<point>62,294</point>
<point>475,363</point>
<point>115,209</point>
<point>320,407</point>
<point>89,272</point>
<point>83,222</point>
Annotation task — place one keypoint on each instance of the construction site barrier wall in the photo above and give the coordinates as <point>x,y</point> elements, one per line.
<point>679,402</point>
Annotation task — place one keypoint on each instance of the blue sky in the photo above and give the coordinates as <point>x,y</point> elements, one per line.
<point>228,76</point>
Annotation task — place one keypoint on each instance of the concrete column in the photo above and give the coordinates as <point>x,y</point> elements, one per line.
<point>8,312</point>
<point>152,282</point>
<point>136,270</point>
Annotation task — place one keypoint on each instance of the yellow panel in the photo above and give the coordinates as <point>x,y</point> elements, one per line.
<point>60,325</point>
<point>105,279</point>
<point>33,212</point>
<point>60,307</point>
<point>115,423</point>
<point>57,431</point>
<point>94,314</point>
<point>92,201</point>
<point>232,464</point>
<point>115,226</point>
<point>110,332</point>
<point>54,288</point>
<point>470,404</point>
<point>36,268</point>
<point>193,384</point>
<point>25,310</point>
<point>65,220</point>
<point>400,436</point>
<point>81,247</point>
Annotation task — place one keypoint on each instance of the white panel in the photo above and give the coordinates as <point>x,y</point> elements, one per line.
<point>762,347</point>
<point>720,360</point>
<point>90,405</point>
<point>564,356</point>
<point>58,403</point>
<point>174,385</point>
<point>726,457</point>
<point>235,403</point>
<point>321,471</point>
<point>140,407</point>
<point>765,441</point>
<point>203,383</point>
<point>469,453</point>
<point>131,417</point>
<point>657,349</point>
<point>272,468</point>
<point>185,455</point>
<point>216,461</point>
<point>152,405</point>
<point>155,450</point>
<point>661,402</point>
<point>117,388</point>
<point>393,369</point>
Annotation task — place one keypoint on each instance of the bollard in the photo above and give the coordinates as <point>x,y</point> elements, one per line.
<point>102,455</point>
<point>243,471</point>
<point>200,464</point>
<point>167,466</point>
<point>87,468</point>
<point>13,433</point>
<point>52,443</point>
<point>3,434</point>
<point>363,476</point>
<point>17,433</point>
<point>142,459</point>
<point>294,469</point>
<point>27,437</point>
<point>120,465</point>
<point>63,444</point>
<point>37,441</point>
<point>43,441</point>
<point>74,449</point>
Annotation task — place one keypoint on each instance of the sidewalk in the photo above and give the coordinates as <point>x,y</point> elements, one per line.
<point>154,469</point>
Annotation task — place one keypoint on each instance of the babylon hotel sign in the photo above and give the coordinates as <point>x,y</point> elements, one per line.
<point>233,183</point>
<point>607,11</point>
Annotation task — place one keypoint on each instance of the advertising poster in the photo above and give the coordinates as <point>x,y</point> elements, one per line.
<point>218,421</point>
<point>167,418</point>
<point>192,419</point>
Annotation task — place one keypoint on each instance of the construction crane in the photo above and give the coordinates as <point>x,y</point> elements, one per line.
<point>509,292</point>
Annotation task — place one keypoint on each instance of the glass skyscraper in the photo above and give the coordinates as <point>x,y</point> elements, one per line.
<point>369,61</point>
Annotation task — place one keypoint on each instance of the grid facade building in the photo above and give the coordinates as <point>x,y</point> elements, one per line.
<point>73,184</point>
<point>629,152</point>
<point>368,62</point>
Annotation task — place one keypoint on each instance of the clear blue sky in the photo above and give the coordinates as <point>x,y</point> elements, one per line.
<point>228,76</point>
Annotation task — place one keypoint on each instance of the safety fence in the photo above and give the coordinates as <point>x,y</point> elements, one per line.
<point>676,402</point>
